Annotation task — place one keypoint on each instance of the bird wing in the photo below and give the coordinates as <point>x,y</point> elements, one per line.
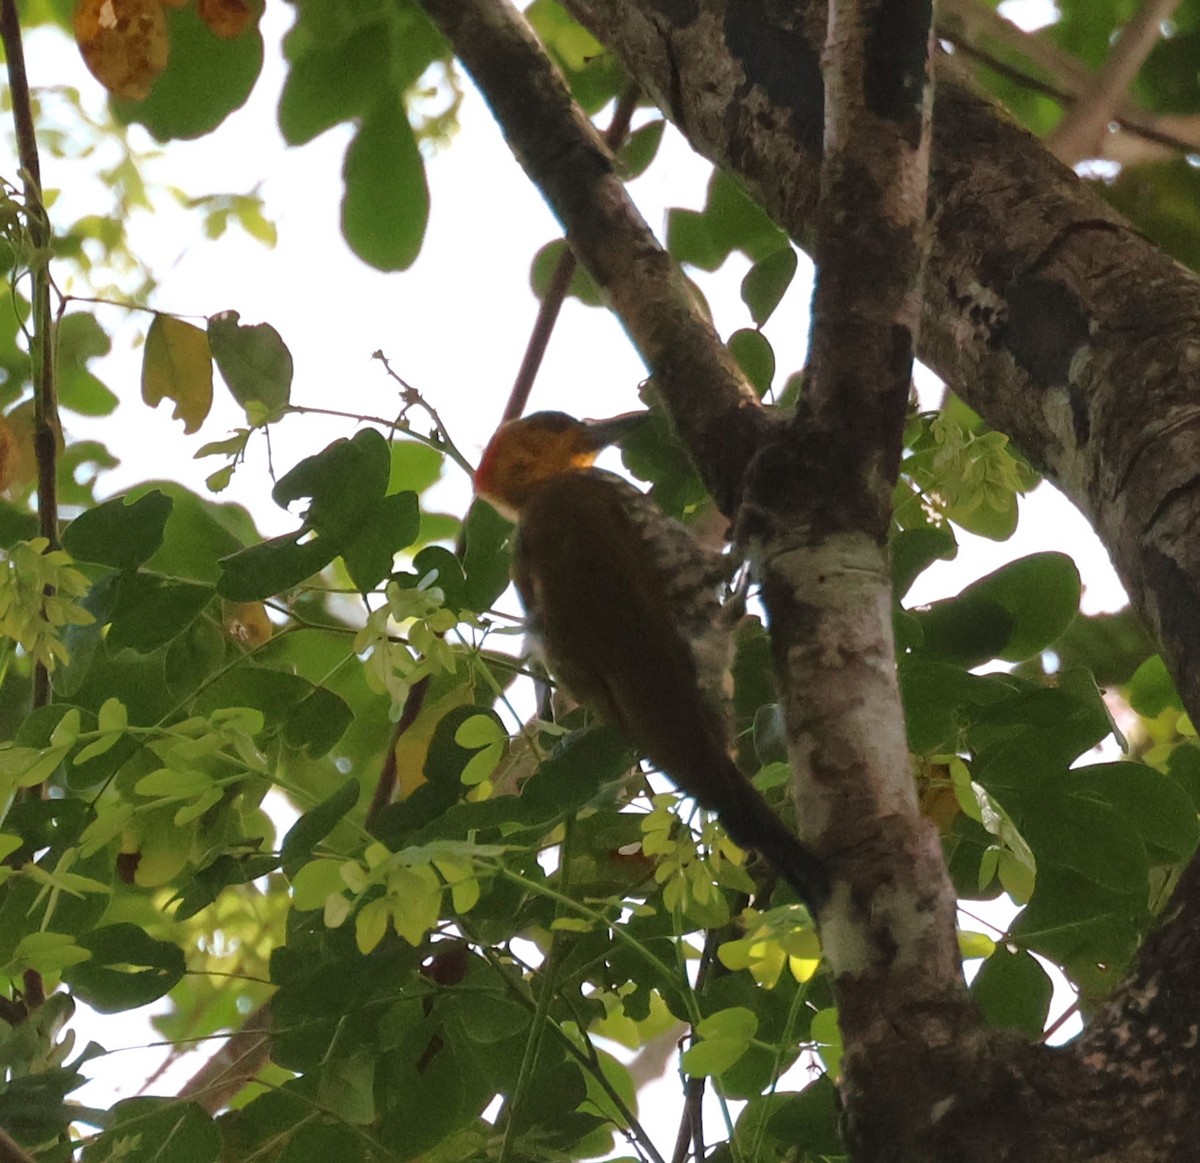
<point>600,596</point>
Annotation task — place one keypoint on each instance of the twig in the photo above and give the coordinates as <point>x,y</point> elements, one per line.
<point>385,786</point>
<point>966,24</point>
<point>11,1151</point>
<point>691,1122</point>
<point>1059,1022</point>
<point>413,399</point>
<point>549,974</point>
<point>560,279</point>
<point>581,1055</point>
<point>1079,134</point>
<point>46,428</point>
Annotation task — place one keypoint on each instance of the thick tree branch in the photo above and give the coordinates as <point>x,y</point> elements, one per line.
<point>558,147</point>
<point>817,517</point>
<point>560,278</point>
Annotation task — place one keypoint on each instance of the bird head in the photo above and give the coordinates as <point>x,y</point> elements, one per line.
<point>527,452</point>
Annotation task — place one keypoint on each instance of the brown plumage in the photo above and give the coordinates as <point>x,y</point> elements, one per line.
<point>624,605</point>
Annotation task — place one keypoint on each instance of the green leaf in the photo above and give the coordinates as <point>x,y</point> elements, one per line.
<point>964,631</point>
<point>1041,593</point>
<point>827,1034</point>
<point>119,534</point>
<point>582,286</point>
<point>915,550</point>
<point>176,784</point>
<point>1084,928</point>
<point>480,731</point>
<point>712,1056</point>
<point>1069,828</point>
<point>593,74</point>
<point>128,968</point>
<point>149,1130</point>
<point>261,571</point>
<point>275,693</point>
<point>415,466</point>
<point>320,1142</point>
<point>486,559</point>
<point>755,357</point>
<point>1013,613</point>
<point>386,202</point>
<point>312,827</point>
<point>1152,803</point>
<point>311,101</point>
<point>151,611</point>
<point>437,559</point>
<point>335,511</point>
<point>488,1019</point>
<point>1152,689</point>
<point>809,1117</point>
<point>318,722</point>
<point>199,532</point>
<point>207,77</point>
<point>392,525</point>
<point>177,365</point>
<point>80,338</point>
<point>1168,82</point>
<point>1013,991</point>
<point>201,889</point>
<point>689,240</point>
<point>640,149</point>
<point>255,364</point>
<point>1161,198</point>
<point>577,768</point>
<point>767,282</point>
<point>737,222</point>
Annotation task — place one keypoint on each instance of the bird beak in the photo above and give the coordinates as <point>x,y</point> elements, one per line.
<point>602,433</point>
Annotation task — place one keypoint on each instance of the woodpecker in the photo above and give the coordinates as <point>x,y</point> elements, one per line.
<point>624,607</point>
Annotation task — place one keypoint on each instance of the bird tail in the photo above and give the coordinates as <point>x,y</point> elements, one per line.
<point>752,823</point>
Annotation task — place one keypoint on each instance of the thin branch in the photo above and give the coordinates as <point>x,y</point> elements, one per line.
<point>691,1122</point>
<point>236,1063</point>
<point>46,427</point>
<point>560,279</point>
<point>1174,134</point>
<point>968,24</point>
<point>385,786</point>
<point>11,1151</point>
<point>1081,131</point>
<point>549,974</point>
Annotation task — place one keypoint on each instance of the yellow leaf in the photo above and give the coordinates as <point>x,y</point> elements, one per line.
<point>9,451</point>
<point>124,43</point>
<point>371,924</point>
<point>18,463</point>
<point>177,365</point>
<point>247,622</point>
<point>971,944</point>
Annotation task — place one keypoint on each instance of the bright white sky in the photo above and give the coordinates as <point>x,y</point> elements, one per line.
<point>455,326</point>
